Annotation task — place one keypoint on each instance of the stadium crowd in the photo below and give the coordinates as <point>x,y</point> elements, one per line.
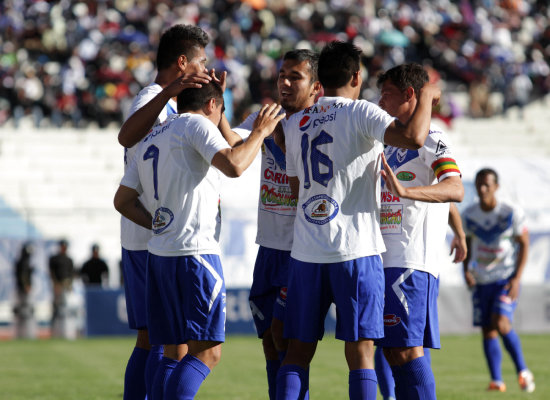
<point>65,62</point>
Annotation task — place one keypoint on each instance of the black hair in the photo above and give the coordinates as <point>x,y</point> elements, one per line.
<point>301,55</point>
<point>338,62</point>
<point>486,171</point>
<point>194,99</point>
<point>404,76</point>
<point>178,40</point>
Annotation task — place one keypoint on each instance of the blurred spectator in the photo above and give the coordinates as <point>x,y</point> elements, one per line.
<point>61,274</point>
<point>480,92</point>
<point>81,62</point>
<point>24,312</point>
<point>94,272</point>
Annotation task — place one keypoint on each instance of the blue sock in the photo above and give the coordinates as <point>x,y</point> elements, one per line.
<point>155,355</point>
<point>289,382</point>
<point>384,374</point>
<point>362,384</point>
<point>272,367</point>
<point>420,379</point>
<point>493,355</point>
<point>400,382</point>
<point>304,389</point>
<point>134,385</point>
<point>164,370</point>
<point>513,346</point>
<point>186,379</point>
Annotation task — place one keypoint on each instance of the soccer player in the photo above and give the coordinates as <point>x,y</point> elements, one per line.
<point>185,285</point>
<point>333,163</point>
<point>494,230</point>
<point>418,184</point>
<point>386,383</point>
<point>180,55</point>
<point>298,87</point>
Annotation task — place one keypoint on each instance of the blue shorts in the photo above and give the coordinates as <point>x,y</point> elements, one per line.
<point>268,292</point>
<point>410,310</point>
<point>134,268</point>
<point>356,287</point>
<point>492,298</point>
<point>185,299</point>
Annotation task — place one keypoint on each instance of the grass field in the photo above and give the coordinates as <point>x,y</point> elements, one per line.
<point>89,369</point>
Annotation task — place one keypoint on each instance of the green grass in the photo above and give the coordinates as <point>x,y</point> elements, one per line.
<point>89,369</point>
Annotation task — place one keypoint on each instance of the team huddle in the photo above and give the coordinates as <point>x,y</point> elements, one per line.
<point>357,217</point>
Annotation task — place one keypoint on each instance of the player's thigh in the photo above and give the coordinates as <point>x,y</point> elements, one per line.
<point>358,288</point>
<point>308,301</point>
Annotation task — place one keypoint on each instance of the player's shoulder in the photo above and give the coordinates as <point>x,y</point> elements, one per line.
<point>507,206</point>
<point>471,209</point>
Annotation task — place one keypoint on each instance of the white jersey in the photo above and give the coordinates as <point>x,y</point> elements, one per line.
<point>334,149</point>
<point>133,236</point>
<point>414,231</point>
<point>276,207</point>
<point>492,245</point>
<point>172,168</point>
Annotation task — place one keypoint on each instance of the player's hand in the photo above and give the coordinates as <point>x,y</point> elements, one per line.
<point>187,81</point>
<point>392,183</point>
<point>267,119</point>
<point>513,288</point>
<point>433,91</point>
<point>221,80</point>
<point>458,245</point>
<point>469,278</point>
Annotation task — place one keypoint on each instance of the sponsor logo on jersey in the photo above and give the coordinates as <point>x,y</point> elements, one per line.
<point>320,209</point>
<point>305,122</point>
<point>387,197</point>
<point>273,197</point>
<point>162,219</point>
<point>406,176</point>
<point>391,320</point>
<point>388,217</point>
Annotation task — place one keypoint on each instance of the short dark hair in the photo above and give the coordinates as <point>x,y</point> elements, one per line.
<point>301,55</point>
<point>338,62</point>
<point>194,99</point>
<point>404,76</point>
<point>486,171</point>
<point>178,40</point>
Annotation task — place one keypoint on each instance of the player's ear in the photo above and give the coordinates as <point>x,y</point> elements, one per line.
<point>210,106</point>
<point>409,92</point>
<point>316,88</point>
<point>182,62</point>
<point>356,78</point>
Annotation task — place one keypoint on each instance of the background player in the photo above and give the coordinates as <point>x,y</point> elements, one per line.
<point>180,55</point>
<point>333,152</point>
<point>418,184</point>
<point>493,268</point>
<point>298,87</point>
<point>185,286</point>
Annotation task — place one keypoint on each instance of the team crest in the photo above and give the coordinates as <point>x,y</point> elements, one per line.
<point>305,122</point>
<point>320,209</point>
<point>401,155</point>
<point>162,219</point>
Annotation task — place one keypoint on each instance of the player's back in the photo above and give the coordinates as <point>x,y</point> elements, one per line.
<point>334,149</point>
<point>179,188</point>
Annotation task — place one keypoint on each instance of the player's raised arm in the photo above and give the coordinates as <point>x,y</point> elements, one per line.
<point>140,123</point>
<point>413,133</point>
<point>234,161</point>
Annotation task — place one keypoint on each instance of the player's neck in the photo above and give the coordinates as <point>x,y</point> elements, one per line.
<point>347,92</point>
<point>489,205</point>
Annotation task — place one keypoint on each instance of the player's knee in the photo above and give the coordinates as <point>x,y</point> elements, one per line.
<point>503,325</point>
<point>278,339</point>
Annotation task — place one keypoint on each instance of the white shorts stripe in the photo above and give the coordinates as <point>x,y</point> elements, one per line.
<point>217,277</point>
<point>397,290</point>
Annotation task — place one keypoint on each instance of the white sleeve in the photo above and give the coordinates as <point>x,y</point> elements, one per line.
<point>519,221</point>
<point>371,120</point>
<point>437,154</point>
<point>205,137</point>
<point>131,176</point>
<point>246,126</point>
